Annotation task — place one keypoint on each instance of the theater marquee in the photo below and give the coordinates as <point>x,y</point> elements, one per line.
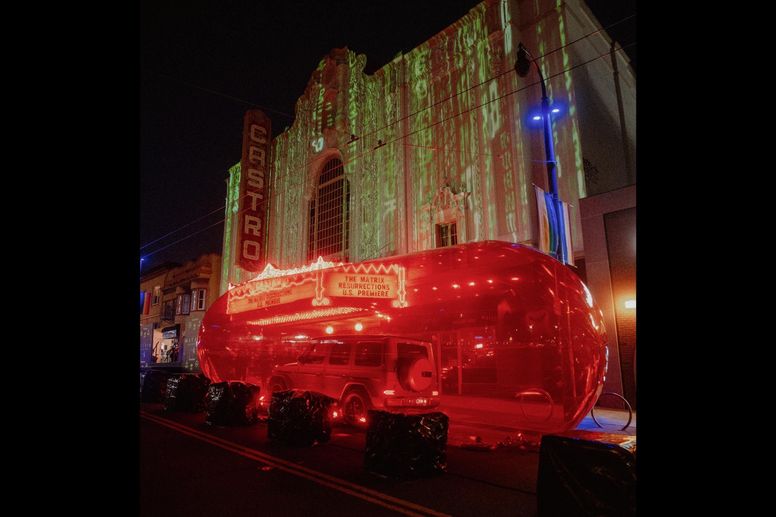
<point>321,287</point>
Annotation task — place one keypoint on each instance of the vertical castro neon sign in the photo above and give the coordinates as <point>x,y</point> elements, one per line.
<point>253,189</point>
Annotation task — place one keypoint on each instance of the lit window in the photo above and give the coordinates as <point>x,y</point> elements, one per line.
<point>157,294</point>
<point>198,299</point>
<point>446,235</point>
<point>169,310</point>
<point>329,214</point>
<point>179,304</point>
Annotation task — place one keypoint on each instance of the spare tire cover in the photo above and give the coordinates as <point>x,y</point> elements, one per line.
<point>418,374</point>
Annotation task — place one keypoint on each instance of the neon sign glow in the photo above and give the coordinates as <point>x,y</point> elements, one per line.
<point>319,282</point>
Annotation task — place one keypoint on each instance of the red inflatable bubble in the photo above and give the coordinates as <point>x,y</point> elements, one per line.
<point>507,327</point>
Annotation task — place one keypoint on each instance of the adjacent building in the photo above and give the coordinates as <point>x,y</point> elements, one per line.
<point>178,297</point>
<point>609,226</point>
<point>151,283</point>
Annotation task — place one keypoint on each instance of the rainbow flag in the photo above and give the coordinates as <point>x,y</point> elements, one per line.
<point>145,302</point>
<point>567,237</point>
<point>548,226</point>
<point>554,227</point>
<point>544,223</point>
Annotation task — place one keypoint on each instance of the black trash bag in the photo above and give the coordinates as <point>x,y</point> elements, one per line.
<point>217,403</point>
<point>245,404</point>
<point>401,445</point>
<point>154,386</point>
<point>300,418</point>
<point>232,403</point>
<point>585,477</point>
<point>186,393</point>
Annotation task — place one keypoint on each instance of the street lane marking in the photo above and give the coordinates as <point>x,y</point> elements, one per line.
<point>362,492</point>
<point>298,470</point>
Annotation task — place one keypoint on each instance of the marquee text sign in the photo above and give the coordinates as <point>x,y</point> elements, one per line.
<point>356,285</point>
<point>373,281</point>
<point>267,293</point>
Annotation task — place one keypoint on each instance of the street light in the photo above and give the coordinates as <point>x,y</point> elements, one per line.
<point>522,66</point>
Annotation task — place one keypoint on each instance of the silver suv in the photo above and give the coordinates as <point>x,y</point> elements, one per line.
<point>365,372</point>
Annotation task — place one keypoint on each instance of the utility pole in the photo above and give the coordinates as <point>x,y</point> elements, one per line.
<point>522,66</point>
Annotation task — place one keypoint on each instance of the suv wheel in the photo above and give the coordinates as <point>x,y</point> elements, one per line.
<point>355,405</point>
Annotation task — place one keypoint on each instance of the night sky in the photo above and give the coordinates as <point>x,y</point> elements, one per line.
<point>203,64</point>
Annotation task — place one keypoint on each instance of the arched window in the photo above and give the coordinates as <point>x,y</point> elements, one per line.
<point>329,214</point>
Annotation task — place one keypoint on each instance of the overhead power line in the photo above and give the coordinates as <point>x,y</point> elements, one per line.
<point>182,239</point>
<point>368,151</point>
<point>221,94</point>
<point>182,227</point>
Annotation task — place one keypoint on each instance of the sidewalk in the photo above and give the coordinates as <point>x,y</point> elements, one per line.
<point>611,420</point>
<point>491,421</point>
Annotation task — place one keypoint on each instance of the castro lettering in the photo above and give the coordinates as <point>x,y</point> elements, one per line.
<point>252,191</point>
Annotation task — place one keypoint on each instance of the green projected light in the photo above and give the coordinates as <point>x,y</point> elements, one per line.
<point>449,114</point>
<point>230,220</point>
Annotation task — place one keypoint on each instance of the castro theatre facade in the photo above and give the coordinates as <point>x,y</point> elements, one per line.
<point>438,147</point>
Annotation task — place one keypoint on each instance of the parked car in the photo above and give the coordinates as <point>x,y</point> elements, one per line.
<point>365,372</point>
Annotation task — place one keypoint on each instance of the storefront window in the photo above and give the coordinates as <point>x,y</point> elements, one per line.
<point>167,349</point>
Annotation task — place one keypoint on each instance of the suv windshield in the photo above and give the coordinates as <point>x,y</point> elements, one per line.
<point>411,351</point>
<point>369,353</point>
<point>314,354</point>
<point>340,353</point>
